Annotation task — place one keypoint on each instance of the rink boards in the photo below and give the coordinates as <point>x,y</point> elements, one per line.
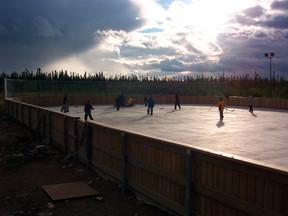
<point>186,161</point>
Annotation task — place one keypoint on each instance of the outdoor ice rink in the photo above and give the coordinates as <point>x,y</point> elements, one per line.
<point>260,137</point>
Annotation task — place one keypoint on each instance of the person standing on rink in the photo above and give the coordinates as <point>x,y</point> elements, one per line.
<point>65,106</point>
<point>150,104</point>
<point>177,101</point>
<point>118,102</point>
<point>250,104</point>
<point>221,106</point>
<point>87,110</point>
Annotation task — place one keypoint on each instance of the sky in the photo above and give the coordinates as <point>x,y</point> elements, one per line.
<point>162,38</point>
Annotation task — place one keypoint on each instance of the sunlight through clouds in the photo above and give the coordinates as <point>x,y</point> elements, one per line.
<point>183,32</point>
<point>155,37</point>
<point>190,28</point>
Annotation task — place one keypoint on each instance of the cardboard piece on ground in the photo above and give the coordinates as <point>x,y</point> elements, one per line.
<point>69,190</point>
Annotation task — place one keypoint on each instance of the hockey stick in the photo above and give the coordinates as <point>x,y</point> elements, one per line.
<point>230,110</point>
<point>79,112</point>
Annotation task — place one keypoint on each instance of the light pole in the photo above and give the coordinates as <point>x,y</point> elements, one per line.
<point>270,56</point>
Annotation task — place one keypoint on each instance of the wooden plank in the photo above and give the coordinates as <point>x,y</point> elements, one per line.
<point>228,181</point>
<point>277,194</point>
<point>243,186</point>
<point>268,194</point>
<point>69,190</point>
<point>233,203</point>
<point>210,178</point>
<point>259,192</point>
<point>251,181</point>
<point>221,178</point>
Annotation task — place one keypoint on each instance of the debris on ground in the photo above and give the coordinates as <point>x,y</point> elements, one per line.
<point>22,176</point>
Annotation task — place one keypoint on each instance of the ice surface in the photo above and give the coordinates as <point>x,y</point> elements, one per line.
<point>261,136</point>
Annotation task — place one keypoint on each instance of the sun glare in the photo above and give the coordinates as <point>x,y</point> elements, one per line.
<point>207,16</point>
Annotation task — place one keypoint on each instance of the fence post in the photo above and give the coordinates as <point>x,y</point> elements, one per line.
<point>5,106</point>
<point>76,137</point>
<point>123,163</point>
<point>16,110</point>
<point>22,113</point>
<point>29,116</point>
<point>88,144</point>
<point>5,88</point>
<point>50,126</point>
<point>188,182</point>
<point>65,135</point>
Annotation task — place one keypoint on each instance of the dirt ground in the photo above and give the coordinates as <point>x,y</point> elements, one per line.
<point>23,173</point>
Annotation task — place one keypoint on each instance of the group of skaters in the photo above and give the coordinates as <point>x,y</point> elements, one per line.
<point>149,102</point>
<point>221,106</point>
<point>120,101</point>
<point>87,108</point>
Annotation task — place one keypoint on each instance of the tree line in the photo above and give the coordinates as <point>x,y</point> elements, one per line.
<point>241,85</point>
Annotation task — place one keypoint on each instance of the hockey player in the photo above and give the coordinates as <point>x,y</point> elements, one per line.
<point>221,106</point>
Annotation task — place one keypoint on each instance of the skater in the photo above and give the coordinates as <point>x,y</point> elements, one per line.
<point>150,104</point>
<point>65,106</point>
<point>122,100</point>
<point>177,101</point>
<point>221,106</point>
<point>118,102</point>
<point>87,110</point>
<point>250,104</point>
<point>145,100</point>
<point>131,102</point>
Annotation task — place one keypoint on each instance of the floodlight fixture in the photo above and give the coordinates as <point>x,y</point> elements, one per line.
<point>270,56</point>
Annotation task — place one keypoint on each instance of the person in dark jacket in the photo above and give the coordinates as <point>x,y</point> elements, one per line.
<point>150,104</point>
<point>118,102</point>
<point>177,101</point>
<point>250,104</point>
<point>145,100</point>
<point>65,107</point>
<point>87,110</point>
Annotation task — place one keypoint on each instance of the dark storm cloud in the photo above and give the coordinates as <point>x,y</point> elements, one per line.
<point>242,55</point>
<point>172,65</point>
<point>244,20</point>
<point>260,34</point>
<point>254,12</point>
<point>278,22</point>
<point>39,32</point>
<point>280,5</point>
<point>248,16</point>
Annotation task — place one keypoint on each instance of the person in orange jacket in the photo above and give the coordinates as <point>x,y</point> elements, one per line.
<point>221,106</point>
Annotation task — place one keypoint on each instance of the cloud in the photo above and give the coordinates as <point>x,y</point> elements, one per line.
<point>254,12</point>
<point>38,32</point>
<point>279,5</point>
<point>43,28</point>
<point>155,37</point>
<point>277,22</point>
